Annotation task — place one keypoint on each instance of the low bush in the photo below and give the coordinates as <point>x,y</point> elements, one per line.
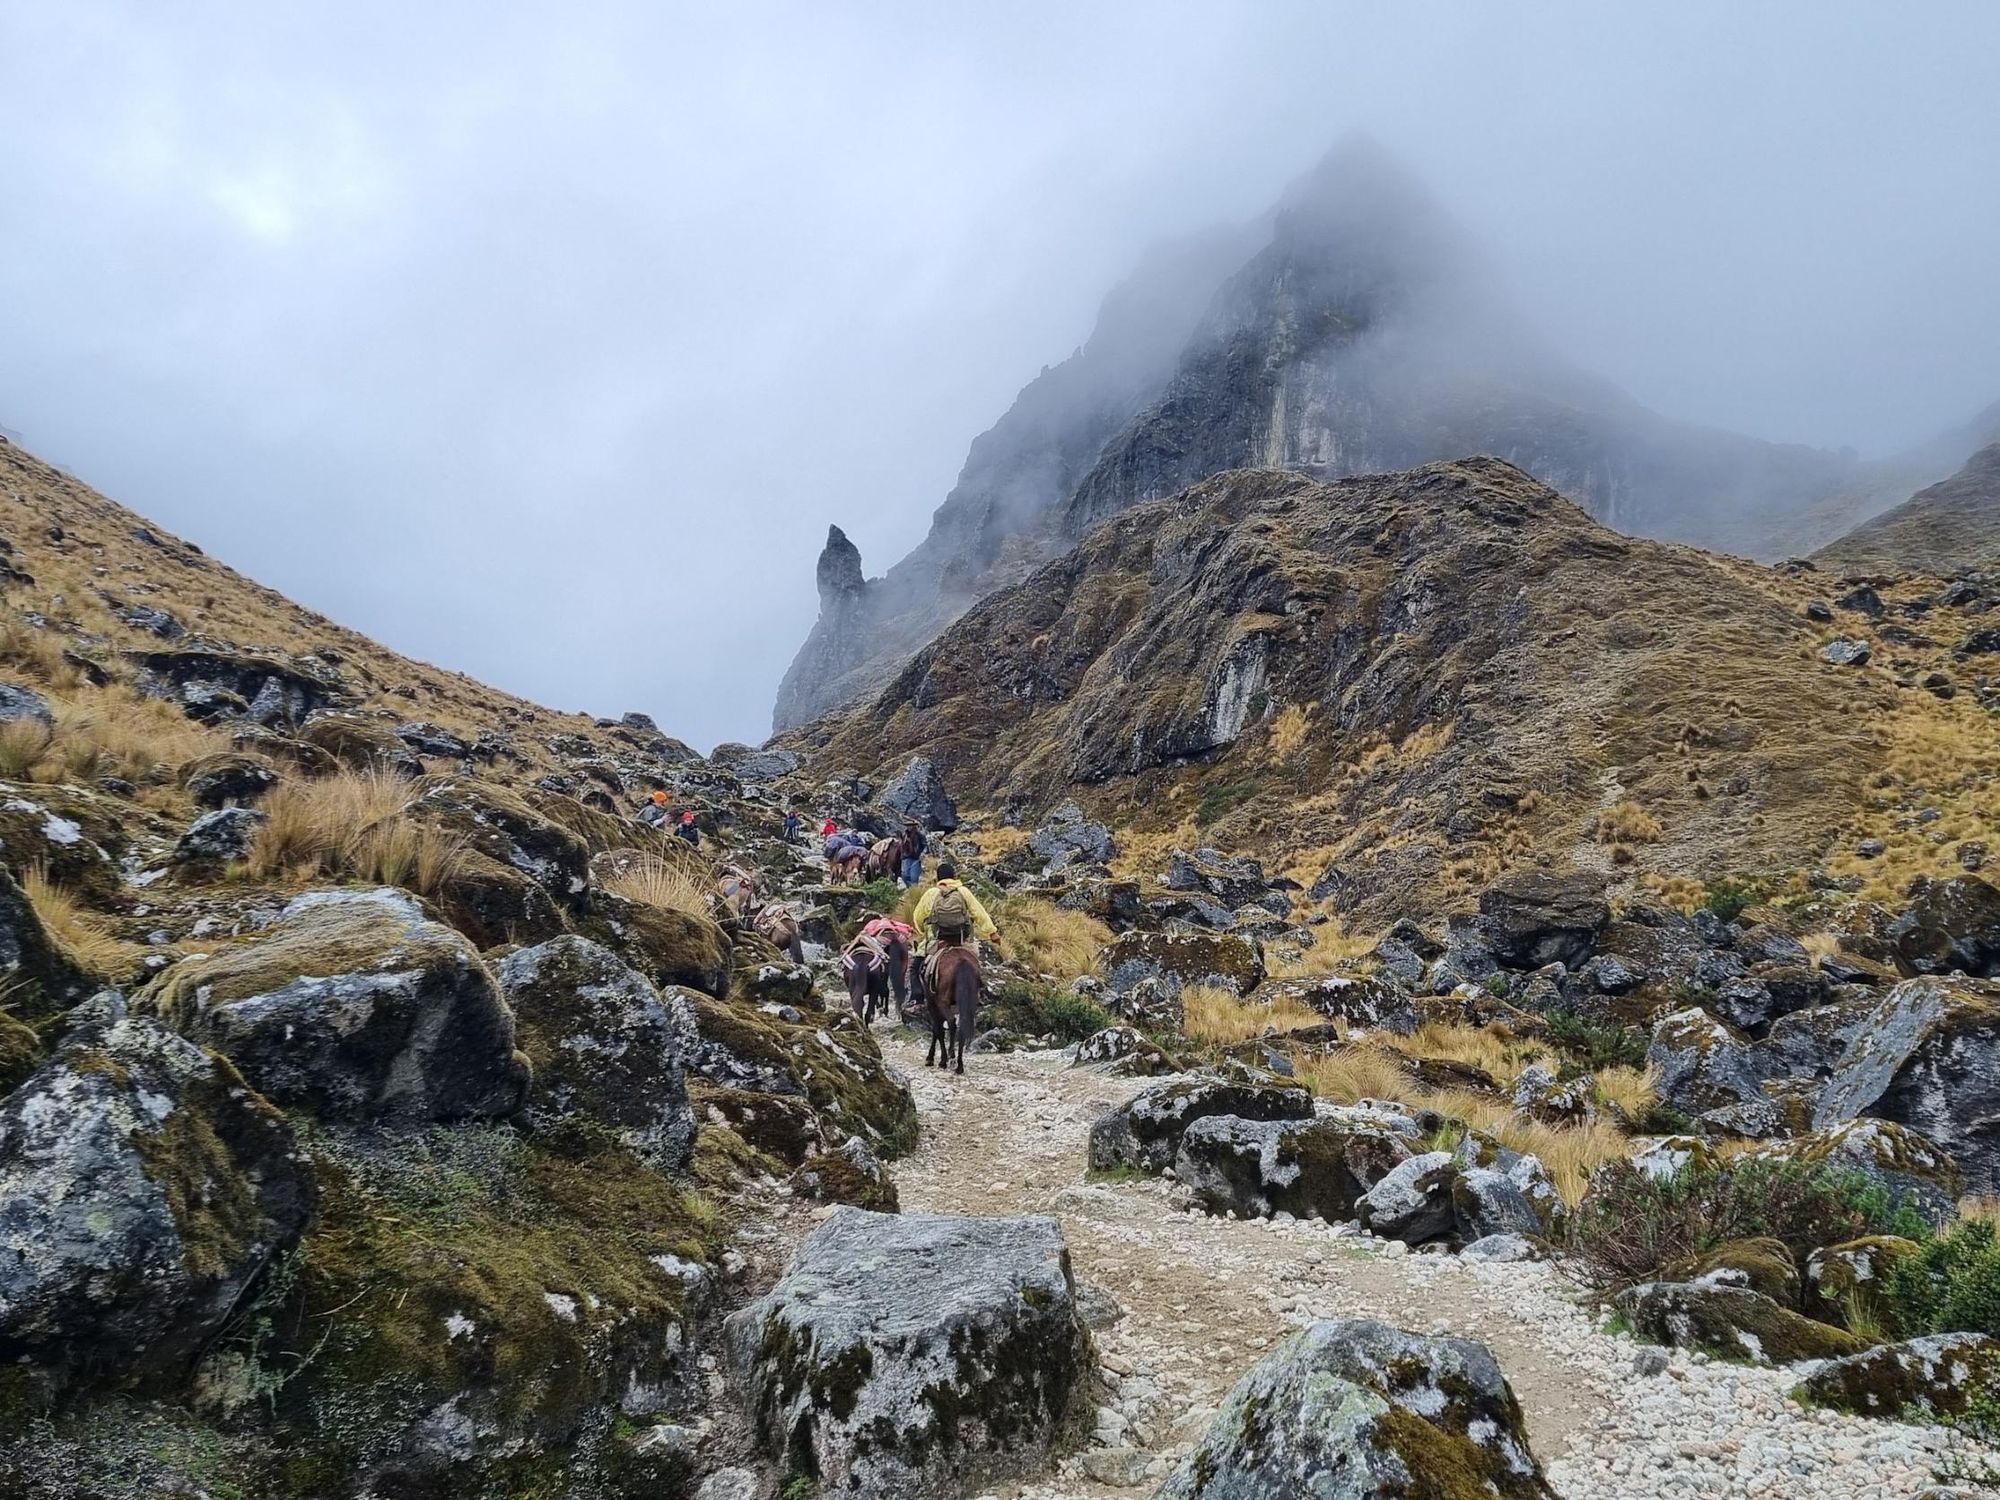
<point>1592,1046</point>
<point>1033,1010</point>
<point>1949,1285</point>
<point>881,895</point>
<point>1728,897</point>
<point>1631,1227</point>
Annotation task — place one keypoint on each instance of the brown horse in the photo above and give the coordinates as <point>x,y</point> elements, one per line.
<point>865,965</point>
<point>737,886</point>
<point>885,859</point>
<point>780,924</point>
<point>948,984</point>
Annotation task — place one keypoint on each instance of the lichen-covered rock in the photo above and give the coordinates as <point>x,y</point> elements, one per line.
<point>1540,1095</point>
<point>1413,1203</point>
<point>1184,958</point>
<point>1666,1156</point>
<point>605,1046</point>
<point>1838,1276</point>
<point>219,836</point>
<point>1909,1168</point>
<point>228,778</point>
<point>918,791</point>
<point>1361,1411</point>
<point>1928,1058</point>
<point>433,740</point>
<point>1145,1132</point>
<point>211,681</point>
<point>1124,1051</point>
<point>1938,1376</point>
<point>671,948</point>
<point>1730,1322</point>
<point>353,1006</point>
<point>1761,1264</point>
<point>1310,1169</point>
<point>20,1052</point>
<point>521,869</point>
<point>143,1187</point>
<point>1373,1003</point>
<point>832,1065</point>
<point>1949,924</point>
<point>67,833</point>
<point>1066,837</point>
<point>1231,880</point>
<point>1503,1191</point>
<point>912,1356</point>
<point>1702,1064</point>
<point>17,703</point>
<point>1537,917</point>
<point>850,1174</point>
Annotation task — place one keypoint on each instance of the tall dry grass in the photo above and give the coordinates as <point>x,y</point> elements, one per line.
<point>1220,1016</point>
<point>1050,939</point>
<point>669,887</point>
<point>352,826</point>
<point>80,934</point>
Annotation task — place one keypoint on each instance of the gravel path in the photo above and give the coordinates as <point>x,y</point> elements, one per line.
<point>1204,1298</point>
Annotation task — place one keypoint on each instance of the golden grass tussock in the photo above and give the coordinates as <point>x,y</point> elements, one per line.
<point>1050,939</point>
<point>1627,823</point>
<point>1943,758</point>
<point>1632,1091</point>
<point>1220,1016</point>
<point>1288,731</point>
<point>40,654</point>
<point>23,744</point>
<point>82,935</point>
<point>667,886</point>
<point>352,826</point>
<point>1980,1206</point>
<point>1494,1051</point>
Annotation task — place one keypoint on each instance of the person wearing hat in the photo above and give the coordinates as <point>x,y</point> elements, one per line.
<point>688,831</point>
<point>655,810</point>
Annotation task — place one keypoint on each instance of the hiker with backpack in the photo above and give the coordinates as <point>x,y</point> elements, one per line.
<point>951,914</point>
<point>914,845</point>
<point>948,979</point>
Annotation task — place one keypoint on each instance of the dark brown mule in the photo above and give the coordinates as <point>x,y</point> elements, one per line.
<point>781,926</point>
<point>884,860</point>
<point>865,965</point>
<point>737,886</point>
<point>949,987</point>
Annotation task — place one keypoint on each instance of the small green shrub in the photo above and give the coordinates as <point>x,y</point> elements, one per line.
<point>1950,1285</point>
<point>1071,1017</point>
<point>1592,1046</point>
<point>1729,897</point>
<point>881,895</point>
<point>1499,986</point>
<point>1630,1226</point>
<point>1219,801</point>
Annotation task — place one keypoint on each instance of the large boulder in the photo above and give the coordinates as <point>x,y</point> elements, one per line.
<point>1705,1067</point>
<point>668,946</point>
<point>519,871</point>
<point>1310,1169</point>
<point>1537,917</point>
<point>40,978</point>
<point>353,1006</point>
<point>1376,1002</point>
<point>1066,837</point>
<point>1145,1132</point>
<point>1503,1191</point>
<point>143,1187</point>
<point>912,1356</point>
<point>1909,1168</point>
<point>1730,1322</point>
<point>1415,1203</point>
<point>1230,880</point>
<point>219,836</point>
<point>1179,959</point>
<point>606,1048</point>
<point>1361,1411</point>
<point>1949,924</point>
<point>67,834</point>
<point>917,791</point>
<point>1929,1058</point>
<point>1938,1376</point>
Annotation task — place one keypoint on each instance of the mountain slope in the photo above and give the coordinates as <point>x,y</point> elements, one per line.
<point>1355,331</point>
<point>1951,526</point>
<point>1411,679</point>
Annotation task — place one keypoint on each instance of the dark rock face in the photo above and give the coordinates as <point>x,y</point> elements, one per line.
<point>232,778</point>
<point>1233,882</point>
<point>213,682</point>
<point>41,978</point>
<point>1370,1003</point>
<point>1361,1409</point>
<point>17,702</point>
<point>1146,1131</point>
<point>1949,924</point>
<point>606,1048</point>
<point>1534,917</point>
<point>142,1189</point>
<point>1415,1202</point>
<point>1067,837</point>
<point>918,791</point>
<point>910,1356</point>
<point>1310,1169</point>
<point>1929,1058</point>
<point>355,1007</point>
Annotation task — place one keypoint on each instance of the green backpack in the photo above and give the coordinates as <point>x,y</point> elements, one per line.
<point>950,910</point>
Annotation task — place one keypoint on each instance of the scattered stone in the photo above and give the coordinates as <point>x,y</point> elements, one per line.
<point>220,836</point>
<point>1842,652</point>
<point>1146,1132</point>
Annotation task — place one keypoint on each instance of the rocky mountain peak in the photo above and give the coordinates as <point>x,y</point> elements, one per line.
<point>839,570</point>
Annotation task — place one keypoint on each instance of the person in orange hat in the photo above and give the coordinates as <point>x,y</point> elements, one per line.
<point>655,810</point>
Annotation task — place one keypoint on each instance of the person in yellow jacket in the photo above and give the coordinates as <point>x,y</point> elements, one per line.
<point>949,913</point>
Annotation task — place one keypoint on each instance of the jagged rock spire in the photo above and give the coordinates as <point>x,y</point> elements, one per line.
<point>839,569</point>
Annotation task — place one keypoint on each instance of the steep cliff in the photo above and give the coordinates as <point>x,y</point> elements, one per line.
<point>1953,525</point>
<point>1353,330</point>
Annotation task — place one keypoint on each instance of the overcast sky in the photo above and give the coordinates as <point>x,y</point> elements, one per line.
<point>543,342</point>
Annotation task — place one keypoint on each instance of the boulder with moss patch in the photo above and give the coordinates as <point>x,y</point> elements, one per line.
<point>1949,924</point>
<point>1760,1263</point>
<point>520,869</point>
<point>1124,1051</point>
<point>669,947</point>
<point>1841,1276</point>
<point>1415,1203</point>
<point>40,976</point>
<point>1179,959</point>
<point>1376,1002</point>
<point>1939,1376</point>
<point>1145,1132</point>
<point>606,1047</point>
<point>1729,1322</point>
<point>143,1187</point>
<point>1703,1066</point>
<point>1503,1191</point>
<point>354,1006</point>
<point>1362,1411</point>
<point>1909,1168</point>
<point>912,1356</point>
<point>1311,1169</point>
<point>68,834</point>
<point>850,1174</point>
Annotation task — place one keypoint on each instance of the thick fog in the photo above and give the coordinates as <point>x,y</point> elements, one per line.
<point>544,341</point>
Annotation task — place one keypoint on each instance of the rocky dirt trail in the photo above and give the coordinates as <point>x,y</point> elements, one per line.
<point>1204,1298</point>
